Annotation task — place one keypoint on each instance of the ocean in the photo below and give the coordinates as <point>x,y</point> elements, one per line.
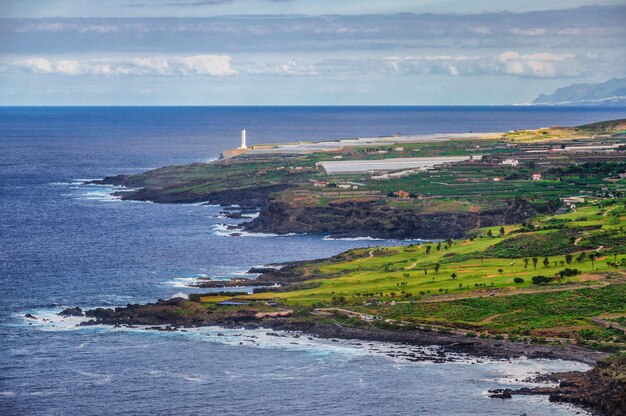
<point>66,243</point>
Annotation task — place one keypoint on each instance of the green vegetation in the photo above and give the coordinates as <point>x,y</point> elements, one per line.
<point>546,277</point>
<point>517,283</point>
<point>530,245</point>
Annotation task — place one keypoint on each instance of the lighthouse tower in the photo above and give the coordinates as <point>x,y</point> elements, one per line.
<point>243,140</point>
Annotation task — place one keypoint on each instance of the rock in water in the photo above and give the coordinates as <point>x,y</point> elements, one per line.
<point>71,312</point>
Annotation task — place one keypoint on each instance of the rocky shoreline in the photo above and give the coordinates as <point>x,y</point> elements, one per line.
<point>168,312</point>
<point>601,389</point>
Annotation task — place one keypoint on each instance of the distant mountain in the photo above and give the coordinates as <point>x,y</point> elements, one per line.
<point>611,92</point>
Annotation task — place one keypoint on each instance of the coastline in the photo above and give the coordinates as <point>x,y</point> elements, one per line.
<point>167,313</point>
<point>592,390</point>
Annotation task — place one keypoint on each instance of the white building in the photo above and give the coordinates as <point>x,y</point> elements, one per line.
<point>510,162</point>
<point>243,140</point>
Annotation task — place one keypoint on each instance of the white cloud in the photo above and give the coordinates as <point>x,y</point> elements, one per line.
<point>535,65</point>
<point>535,31</point>
<point>197,65</point>
<point>543,65</point>
<point>291,67</point>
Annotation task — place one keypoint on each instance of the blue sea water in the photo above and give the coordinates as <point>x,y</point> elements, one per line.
<point>64,243</point>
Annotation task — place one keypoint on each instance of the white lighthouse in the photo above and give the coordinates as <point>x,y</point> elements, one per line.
<point>243,140</point>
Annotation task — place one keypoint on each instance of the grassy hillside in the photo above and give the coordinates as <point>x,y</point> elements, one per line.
<point>489,282</point>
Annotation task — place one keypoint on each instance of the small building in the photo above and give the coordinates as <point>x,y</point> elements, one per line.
<point>536,177</point>
<point>398,149</point>
<point>320,184</point>
<point>510,162</point>
<point>232,303</point>
<point>338,157</point>
<point>574,200</point>
<point>498,179</point>
<point>402,194</point>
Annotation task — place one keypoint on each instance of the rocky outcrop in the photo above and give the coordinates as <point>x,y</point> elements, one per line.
<point>248,198</point>
<point>601,389</point>
<point>71,312</point>
<point>378,219</point>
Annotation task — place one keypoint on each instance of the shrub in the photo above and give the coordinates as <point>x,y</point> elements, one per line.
<point>569,272</point>
<point>518,280</point>
<point>541,280</point>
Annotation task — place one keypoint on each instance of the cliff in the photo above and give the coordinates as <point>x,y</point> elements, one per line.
<point>380,219</point>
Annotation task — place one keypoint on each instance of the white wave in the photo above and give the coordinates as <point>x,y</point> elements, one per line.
<point>223,231</point>
<point>520,370</point>
<point>96,378</point>
<point>499,372</point>
<point>182,282</point>
<point>61,183</point>
<point>101,196</point>
<point>189,282</point>
<point>85,180</point>
<point>180,295</point>
<point>329,238</point>
<point>7,393</point>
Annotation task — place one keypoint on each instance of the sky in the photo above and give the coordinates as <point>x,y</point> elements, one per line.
<point>304,52</point>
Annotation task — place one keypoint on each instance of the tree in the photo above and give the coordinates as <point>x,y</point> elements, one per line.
<point>525,262</point>
<point>439,246</point>
<point>535,261</point>
<point>593,257</point>
<point>546,262</point>
<point>428,249</point>
<point>489,233</point>
<point>518,280</point>
<point>425,270</point>
<point>449,242</point>
<point>541,280</point>
<point>500,271</point>
<point>437,266</point>
<point>581,257</point>
<point>501,231</point>
<point>568,258</point>
<point>460,285</point>
<point>453,275</point>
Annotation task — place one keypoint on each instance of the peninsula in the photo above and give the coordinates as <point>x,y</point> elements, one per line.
<point>527,251</point>
<point>435,186</point>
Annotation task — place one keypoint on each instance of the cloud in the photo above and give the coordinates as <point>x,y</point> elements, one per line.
<point>197,65</point>
<point>588,27</point>
<point>543,65</point>
<point>292,68</point>
<point>534,65</point>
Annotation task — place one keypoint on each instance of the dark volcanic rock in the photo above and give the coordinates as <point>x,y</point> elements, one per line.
<point>375,218</point>
<point>601,389</point>
<point>71,312</point>
<point>254,270</point>
<point>247,198</point>
<point>501,394</point>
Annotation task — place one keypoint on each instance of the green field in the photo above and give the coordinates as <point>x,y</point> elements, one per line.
<point>479,284</point>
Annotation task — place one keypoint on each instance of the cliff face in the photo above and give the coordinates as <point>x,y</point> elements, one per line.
<point>378,219</point>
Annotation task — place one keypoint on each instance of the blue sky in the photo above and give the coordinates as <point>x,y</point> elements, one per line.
<point>304,52</point>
